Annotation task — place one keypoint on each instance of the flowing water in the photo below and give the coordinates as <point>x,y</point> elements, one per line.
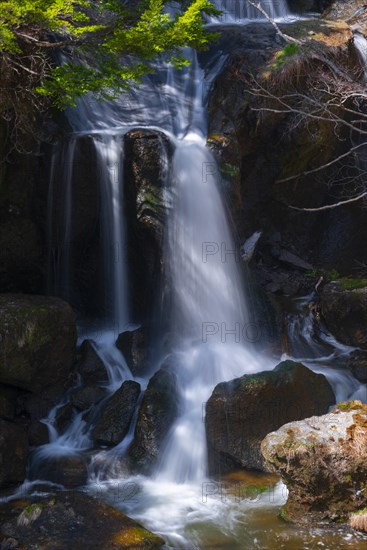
<point>208,317</point>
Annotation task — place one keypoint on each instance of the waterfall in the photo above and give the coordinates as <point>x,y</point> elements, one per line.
<point>360,43</point>
<point>240,11</point>
<point>109,151</point>
<point>208,315</point>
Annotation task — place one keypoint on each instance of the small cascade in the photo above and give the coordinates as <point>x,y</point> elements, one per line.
<point>60,220</point>
<point>310,343</point>
<point>360,43</point>
<point>241,11</point>
<point>109,150</point>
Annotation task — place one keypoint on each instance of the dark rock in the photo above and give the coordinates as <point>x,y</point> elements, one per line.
<point>37,433</point>
<point>146,169</point>
<point>7,402</point>
<point>345,312</point>
<point>69,470</point>
<point>90,365</point>
<point>13,453</point>
<point>323,461</point>
<point>357,363</point>
<point>157,413</point>
<point>84,398</point>
<point>20,256</point>
<point>116,416</point>
<point>133,345</point>
<point>38,336</point>
<point>63,417</point>
<point>293,260</point>
<point>72,521</point>
<point>241,412</point>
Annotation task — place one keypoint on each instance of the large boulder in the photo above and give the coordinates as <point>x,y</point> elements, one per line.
<point>116,416</point>
<point>323,462</point>
<point>344,308</point>
<point>13,453</point>
<point>71,520</point>
<point>38,336</point>
<point>157,413</point>
<point>241,412</point>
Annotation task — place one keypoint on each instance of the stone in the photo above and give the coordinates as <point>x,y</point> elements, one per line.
<point>133,345</point>
<point>38,433</point>
<point>84,398</point>
<point>323,462</point>
<point>63,417</point>
<point>157,413</point>
<point>7,402</point>
<point>115,419</point>
<point>90,365</point>
<point>37,338</point>
<point>240,413</point>
<point>73,521</point>
<point>344,310</point>
<point>13,453</point>
<point>71,471</point>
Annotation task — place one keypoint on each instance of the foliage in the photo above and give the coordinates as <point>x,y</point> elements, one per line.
<point>106,44</point>
<point>282,56</point>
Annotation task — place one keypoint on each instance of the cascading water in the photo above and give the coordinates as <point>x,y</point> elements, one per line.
<point>240,11</point>
<point>360,43</point>
<point>208,316</point>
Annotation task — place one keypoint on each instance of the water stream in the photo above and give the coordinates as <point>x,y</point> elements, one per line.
<point>208,310</point>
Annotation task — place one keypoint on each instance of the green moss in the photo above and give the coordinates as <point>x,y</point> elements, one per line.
<point>352,284</point>
<point>283,55</point>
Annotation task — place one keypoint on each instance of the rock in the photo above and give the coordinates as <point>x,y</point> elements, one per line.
<point>7,402</point>
<point>116,416</point>
<point>71,471</point>
<point>344,309</point>
<point>241,412</point>
<point>249,247</point>
<point>20,256</point>
<point>63,417</point>
<point>357,363</point>
<point>323,462</point>
<point>157,413</point>
<point>13,453</point>
<point>37,433</point>
<point>147,154</point>
<point>84,398</point>
<point>133,345</point>
<point>38,336</point>
<point>74,521</point>
<point>293,260</point>
<point>90,365</point>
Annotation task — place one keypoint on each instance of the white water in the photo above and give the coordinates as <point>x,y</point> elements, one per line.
<point>241,11</point>
<point>360,43</point>
<point>209,315</point>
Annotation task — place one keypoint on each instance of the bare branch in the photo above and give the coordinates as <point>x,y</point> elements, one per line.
<point>285,37</point>
<point>329,206</point>
<point>323,166</point>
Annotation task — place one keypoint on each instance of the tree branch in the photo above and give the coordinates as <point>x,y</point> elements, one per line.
<point>329,206</point>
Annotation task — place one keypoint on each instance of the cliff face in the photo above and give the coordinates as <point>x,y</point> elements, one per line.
<point>270,150</point>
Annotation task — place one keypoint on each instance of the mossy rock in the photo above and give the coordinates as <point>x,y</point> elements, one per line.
<point>38,337</point>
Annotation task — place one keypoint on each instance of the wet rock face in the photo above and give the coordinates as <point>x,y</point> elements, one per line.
<point>241,412</point>
<point>116,416</point>
<point>90,365</point>
<point>323,461</point>
<point>74,521</point>
<point>70,471</point>
<point>157,413</point>
<point>146,166</point>
<point>344,309</point>
<point>133,345</point>
<point>38,336</point>
<point>13,453</point>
